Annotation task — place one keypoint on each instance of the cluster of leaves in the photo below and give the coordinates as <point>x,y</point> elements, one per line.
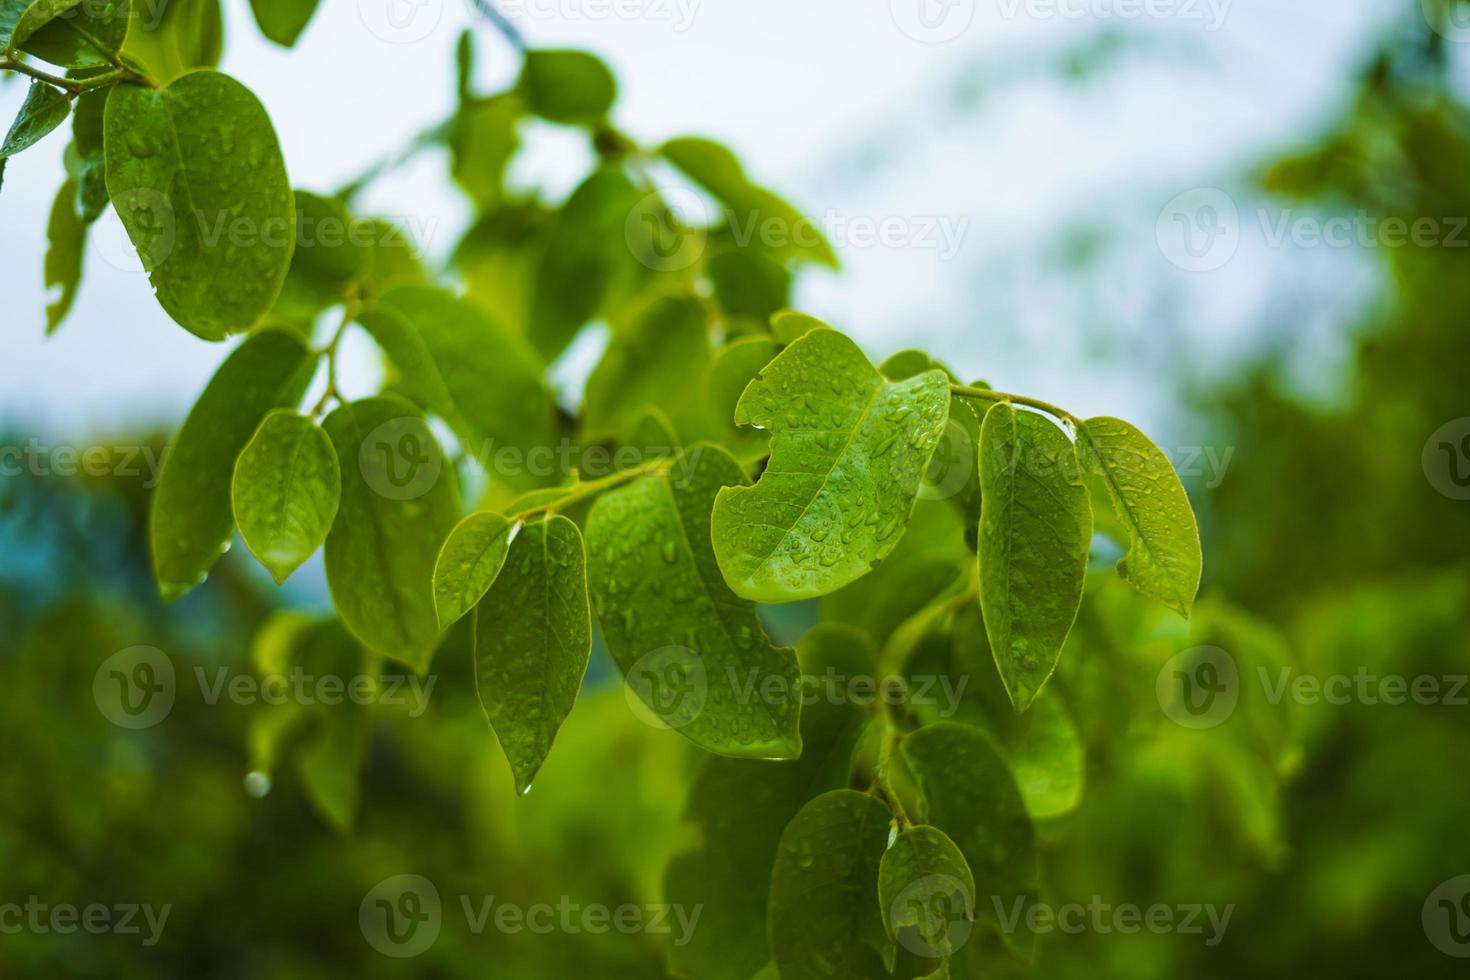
<point>767,461</point>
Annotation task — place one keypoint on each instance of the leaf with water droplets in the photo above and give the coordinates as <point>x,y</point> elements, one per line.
<point>191,517</point>
<point>692,650</point>
<point>88,35</point>
<point>927,895</point>
<point>1163,559</point>
<point>399,501</point>
<point>848,452</point>
<point>533,638</point>
<point>19,19</point>
<point>196,176</point>
<point>740,808</point>
<point>969,794</point>
<point>285,491</point>
<point>825,921</point>
<point>43,110</point>
<point>1035,533</point>
<point>468,563</point>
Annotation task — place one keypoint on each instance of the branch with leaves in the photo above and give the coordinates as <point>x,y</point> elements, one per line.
<point>726,454</point>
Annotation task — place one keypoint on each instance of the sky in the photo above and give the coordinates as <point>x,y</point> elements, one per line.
<point>954,125</point>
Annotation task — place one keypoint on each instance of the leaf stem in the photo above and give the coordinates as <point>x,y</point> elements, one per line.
<point>73,86</point>
<point>582,491</point>
<point>881,787</point>
<point>492,13</point>
<point>985,394</point>
<point>352,307</point>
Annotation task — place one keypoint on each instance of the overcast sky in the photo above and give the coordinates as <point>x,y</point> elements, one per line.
<point>944,120</point>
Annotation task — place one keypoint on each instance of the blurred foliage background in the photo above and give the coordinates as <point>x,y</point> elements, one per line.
<point>1327,551</point>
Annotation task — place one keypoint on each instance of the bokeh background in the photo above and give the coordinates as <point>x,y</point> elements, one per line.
<point>1113,211</point>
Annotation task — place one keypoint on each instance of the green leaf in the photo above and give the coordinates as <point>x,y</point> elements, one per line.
<point>824,916</point>
<point>1035,532</point>
<point>927,894</point>
<point>740,807</point>
<point>499,259</point>
<point>969,795</point>
<point>747,283</point>
<point>789,326</point>
<point>467,565</point>
<point>399,501</point>
<point>178,36</point>
<point>533,638</point>
<point>66,238</point>
<point>954,471</point>
<point>666,610</point>
<point>848,451</point>
<point>44,109</point>
<point>1043,747</point>
<point>483,137</point>
<point>285,491</point>
<point>585,256</point>
<point>570,87</point>
<point>88,35</point>
<point>19,19</point>
<point>485,382</point>
<point>757,217</point>
<point>658,360</point>
<point>85,160</point>
<point>329,256</point>
<point>196,175</point>
<point>191,518</point>
<point>1163,559</point>
<point>283,20</point>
